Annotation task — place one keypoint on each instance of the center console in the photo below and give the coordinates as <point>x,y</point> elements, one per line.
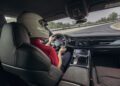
<point>81,57</point>
<point>78,72</point>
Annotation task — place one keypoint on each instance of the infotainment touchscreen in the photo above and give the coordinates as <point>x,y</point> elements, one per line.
<point>79,52</point>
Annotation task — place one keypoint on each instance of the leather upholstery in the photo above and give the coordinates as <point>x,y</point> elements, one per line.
<point>18,56</point>
<point>76,75</point>
<point>106,76</point>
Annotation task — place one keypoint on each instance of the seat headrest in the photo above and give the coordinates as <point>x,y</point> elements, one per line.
<point>16,32</point>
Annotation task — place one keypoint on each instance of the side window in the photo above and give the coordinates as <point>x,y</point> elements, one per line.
<point>10,19</point>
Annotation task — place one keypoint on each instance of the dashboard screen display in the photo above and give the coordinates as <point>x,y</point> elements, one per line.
<point>76,52</point>
<point>79,52</point>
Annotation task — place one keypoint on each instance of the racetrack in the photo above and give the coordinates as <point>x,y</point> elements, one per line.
<point>97,30</point>
<point>102,29</point>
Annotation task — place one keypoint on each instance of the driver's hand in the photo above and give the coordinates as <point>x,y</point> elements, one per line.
<point>62,49</point>
<point>51,38</point>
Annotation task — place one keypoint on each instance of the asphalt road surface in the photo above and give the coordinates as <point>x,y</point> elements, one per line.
<point>98,30</point>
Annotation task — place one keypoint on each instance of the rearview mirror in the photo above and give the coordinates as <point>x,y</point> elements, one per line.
<point>76,9</point>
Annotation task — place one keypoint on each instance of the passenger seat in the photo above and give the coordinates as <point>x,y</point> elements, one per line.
<point>106,76</point>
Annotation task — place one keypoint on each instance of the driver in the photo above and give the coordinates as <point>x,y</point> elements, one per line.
<point>37,30</point>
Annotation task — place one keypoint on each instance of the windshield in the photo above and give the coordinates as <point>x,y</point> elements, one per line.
<point>103,22</point>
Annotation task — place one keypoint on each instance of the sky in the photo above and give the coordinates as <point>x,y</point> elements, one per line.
<point>94,16</point>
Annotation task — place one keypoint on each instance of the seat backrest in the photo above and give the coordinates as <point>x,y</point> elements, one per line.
<point>19,57</point>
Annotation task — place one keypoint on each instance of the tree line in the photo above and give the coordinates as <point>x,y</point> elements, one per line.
<point>53,25</point>
<point>113,16</point>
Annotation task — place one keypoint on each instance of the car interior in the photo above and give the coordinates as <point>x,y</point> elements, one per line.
<point>95,60</point>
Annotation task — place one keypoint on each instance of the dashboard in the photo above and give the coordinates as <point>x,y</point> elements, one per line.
<point>86,47</point>
<point>98,42</point>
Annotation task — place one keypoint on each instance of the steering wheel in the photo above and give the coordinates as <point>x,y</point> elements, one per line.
<point>60,40</point>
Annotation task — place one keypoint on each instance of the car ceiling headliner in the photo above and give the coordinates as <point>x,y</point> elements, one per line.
<point>49,9</point>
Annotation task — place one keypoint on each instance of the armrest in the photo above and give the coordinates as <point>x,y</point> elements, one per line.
<point>77,75</point>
